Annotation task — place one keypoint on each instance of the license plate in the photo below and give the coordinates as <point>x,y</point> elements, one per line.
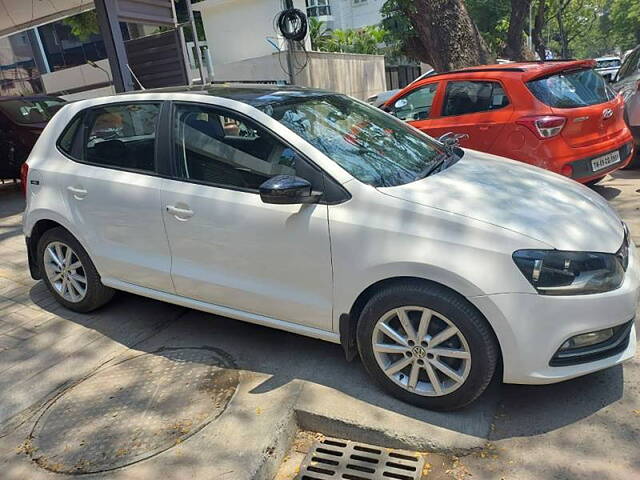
<point>605,160</point>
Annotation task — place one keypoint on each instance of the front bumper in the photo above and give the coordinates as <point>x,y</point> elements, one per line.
<point>531,327</point>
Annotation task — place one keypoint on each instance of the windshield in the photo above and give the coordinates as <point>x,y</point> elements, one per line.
<point>578,88</point>
<point>32,110</point>
<point>374,147</point>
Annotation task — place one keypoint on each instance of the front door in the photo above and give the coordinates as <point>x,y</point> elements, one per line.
<point>228,247</point>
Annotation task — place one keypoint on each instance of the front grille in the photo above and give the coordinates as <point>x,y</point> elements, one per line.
<point>616,344</point>
<point>341,459</point>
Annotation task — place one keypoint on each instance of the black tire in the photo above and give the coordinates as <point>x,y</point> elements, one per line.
<point>593,183</point>
<point>96,295</point>
<point>634,163</point>
<point>479,337</point>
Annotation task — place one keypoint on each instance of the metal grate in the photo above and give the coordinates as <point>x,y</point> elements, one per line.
<point>341,459</point>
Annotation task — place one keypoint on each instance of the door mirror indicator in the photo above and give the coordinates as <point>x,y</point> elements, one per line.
<point>288,189</point>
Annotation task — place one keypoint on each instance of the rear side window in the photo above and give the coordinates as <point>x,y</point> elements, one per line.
<point>118,136</point>
<point>471,97</point>
<point>66,141</point>
<point>578,88</point>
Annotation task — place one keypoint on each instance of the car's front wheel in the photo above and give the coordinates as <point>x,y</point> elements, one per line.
<point>69,273</point>
<point>427,345</point>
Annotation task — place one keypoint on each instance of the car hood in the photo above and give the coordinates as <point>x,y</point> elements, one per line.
<point>529,200</point>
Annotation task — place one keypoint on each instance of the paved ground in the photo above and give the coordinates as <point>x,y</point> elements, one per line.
<point>61,374</point>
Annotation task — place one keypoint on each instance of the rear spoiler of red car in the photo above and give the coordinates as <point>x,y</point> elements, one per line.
<point>551,68</point>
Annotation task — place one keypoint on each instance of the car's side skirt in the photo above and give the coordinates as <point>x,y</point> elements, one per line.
<point>223,311</point>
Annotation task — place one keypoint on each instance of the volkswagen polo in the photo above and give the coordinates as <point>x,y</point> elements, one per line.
<point>314,213</point>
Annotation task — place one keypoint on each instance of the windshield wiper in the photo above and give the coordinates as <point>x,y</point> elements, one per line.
<point>452,151</point>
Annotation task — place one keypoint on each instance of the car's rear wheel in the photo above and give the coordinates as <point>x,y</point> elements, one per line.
<point>427,345</point>
<point>69,273</point>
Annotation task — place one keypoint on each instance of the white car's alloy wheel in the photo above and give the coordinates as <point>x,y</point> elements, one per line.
<point>421,351</point>
<point>65,272</point>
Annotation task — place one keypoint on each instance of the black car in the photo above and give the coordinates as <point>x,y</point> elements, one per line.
<point>22,120</point>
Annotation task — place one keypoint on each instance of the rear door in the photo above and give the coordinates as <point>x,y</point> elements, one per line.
<point>113,192</point>
<point>593,111</point>
<point>478,108</point>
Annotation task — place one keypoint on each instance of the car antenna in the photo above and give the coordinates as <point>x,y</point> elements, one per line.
<point>135,77</point>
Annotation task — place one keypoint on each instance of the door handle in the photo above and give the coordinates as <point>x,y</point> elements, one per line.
<point>179,213</point>
<point>78,192</point>
<point>486,126</point>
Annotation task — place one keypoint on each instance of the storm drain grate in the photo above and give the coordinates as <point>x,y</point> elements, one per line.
<point>341,459</point>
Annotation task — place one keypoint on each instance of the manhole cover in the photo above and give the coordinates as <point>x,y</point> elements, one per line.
<point>133,410</point>
<point>341,459</point>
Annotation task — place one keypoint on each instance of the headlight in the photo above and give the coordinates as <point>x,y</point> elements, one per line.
<point>554,272</point>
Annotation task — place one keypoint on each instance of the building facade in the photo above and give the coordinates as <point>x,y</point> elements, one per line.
<point>346,14</point>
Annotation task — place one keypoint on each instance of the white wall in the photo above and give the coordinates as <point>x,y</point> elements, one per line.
<point>83,76</point>
<point>238,29</point>
<point>357,75</point>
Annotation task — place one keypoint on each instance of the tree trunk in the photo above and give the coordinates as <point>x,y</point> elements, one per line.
<point>538,26</point>
<point>447,37</point>
<point>514,50</point>
<point>563,36</point>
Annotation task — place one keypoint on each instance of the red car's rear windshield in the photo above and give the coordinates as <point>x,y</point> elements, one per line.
<point>571,89</point>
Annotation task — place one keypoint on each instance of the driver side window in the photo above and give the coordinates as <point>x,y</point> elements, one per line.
<point>417,104</point>
<point>219,148</point>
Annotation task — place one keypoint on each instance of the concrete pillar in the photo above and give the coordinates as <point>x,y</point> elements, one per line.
<point>107,12</point>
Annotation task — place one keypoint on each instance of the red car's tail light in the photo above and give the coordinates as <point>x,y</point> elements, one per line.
<point>24,172</point>
<point>543,126</point>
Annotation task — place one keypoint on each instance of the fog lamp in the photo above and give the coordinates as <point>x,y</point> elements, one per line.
<point>587,339</point>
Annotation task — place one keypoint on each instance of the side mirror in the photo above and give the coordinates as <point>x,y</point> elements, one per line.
<point>288,189</point>
<point>401,103</point>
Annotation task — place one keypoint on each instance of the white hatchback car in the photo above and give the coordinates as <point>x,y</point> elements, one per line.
<point>315,213</point>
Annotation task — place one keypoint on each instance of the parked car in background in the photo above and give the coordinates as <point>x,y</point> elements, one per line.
<point>22,120</point>
<point>561,116</point>
<point>628,85</point>
<point>608,67</point>
<point>321,215</point>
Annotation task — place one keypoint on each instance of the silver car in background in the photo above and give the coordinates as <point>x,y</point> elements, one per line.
<point>608,67</point>
<point>628,84</point>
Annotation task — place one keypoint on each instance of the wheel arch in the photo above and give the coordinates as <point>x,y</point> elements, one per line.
<point>349,321</point>
<point>35,234</point>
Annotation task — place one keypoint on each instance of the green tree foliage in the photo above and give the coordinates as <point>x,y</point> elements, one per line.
<point>367,40</point>
<point>83,25</point>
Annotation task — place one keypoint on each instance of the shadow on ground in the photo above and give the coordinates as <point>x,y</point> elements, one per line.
<point>287,357</point>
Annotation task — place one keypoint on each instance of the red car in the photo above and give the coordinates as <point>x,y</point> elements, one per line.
<point>561,116</point>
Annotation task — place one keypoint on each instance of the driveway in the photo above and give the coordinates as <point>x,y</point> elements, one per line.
<point>142,389</point>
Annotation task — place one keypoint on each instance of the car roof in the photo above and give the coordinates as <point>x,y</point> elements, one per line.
<point>256,95</point>
<point>526,70</point>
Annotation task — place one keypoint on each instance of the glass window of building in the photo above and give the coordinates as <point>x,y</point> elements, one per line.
<point>72,41</point>
<point>318,8</point>
<point>19,74</point>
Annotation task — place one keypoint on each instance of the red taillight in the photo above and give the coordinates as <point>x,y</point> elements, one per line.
<point>24,173</point>
<point>567,170</point>
<point>543,126</point>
